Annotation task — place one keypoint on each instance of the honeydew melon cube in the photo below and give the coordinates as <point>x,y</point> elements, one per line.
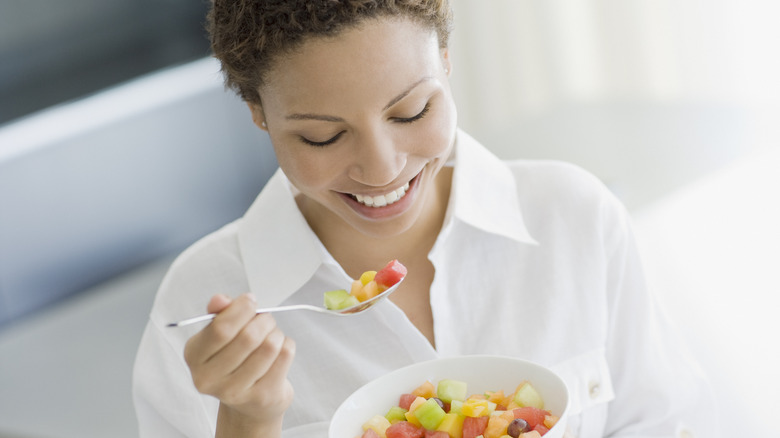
<point>448,390</point>
<point>430,414</point>
<point>527,395</point>
<point>396,414</point>
<point>410,416</point>
<point>456,407</point>
<point>339,299</point>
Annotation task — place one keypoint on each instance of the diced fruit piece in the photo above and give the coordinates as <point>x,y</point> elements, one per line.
<point>517,427</point>
<point>474,426</point>
<point>531,434</point>
<point>406,401</point>
<point>339,299</point>
<point>411,416</point>
<point>370,433</point>
<point>526,395</point>
<point>452,424</point>
<point>499,398</point>
<point>532,415</point>
<point>378,423</point>
<point>436,434</point>
<point>425,390</point>
<point>456,407</point>
<point>404,429</point>
<point>550,420</point>
<point>367,276</point>
<point>390,275</point>
<point>541,429</point>
<point>429,414</point>
<point>448,390</point>
<point>497,426</point>
<point>396,414</point>
<point>474,407</point>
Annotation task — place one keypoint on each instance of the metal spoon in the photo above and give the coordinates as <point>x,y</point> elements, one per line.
<point>353,310</point>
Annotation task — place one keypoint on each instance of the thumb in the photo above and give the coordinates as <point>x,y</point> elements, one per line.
<point>218,303</point>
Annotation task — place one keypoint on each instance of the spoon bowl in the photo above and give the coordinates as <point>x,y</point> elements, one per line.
<point>352,310</point>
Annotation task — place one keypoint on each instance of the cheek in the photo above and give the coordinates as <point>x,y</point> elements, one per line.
<point>438,134</point>
<point>303,168</point>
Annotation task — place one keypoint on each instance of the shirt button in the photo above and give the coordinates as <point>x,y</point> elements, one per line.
<point>685,433</point>
<point>594,389</point>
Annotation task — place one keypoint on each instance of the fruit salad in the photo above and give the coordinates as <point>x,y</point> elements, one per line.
<point>369,285</point>
<point>447,411</point>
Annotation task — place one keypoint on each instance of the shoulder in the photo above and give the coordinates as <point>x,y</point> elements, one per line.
<point>555,195</point>
<point>558,182</point>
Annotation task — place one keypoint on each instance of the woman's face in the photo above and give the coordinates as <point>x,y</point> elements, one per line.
<point>362,123</point>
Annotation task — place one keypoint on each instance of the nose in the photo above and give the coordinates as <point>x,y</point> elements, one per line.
<point>377,159</point>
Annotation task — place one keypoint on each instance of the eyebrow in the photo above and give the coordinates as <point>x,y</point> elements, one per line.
<point>326,118</point>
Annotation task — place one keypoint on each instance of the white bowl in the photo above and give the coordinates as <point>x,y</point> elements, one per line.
<point>481,373</point>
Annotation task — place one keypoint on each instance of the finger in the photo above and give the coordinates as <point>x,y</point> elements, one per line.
<point>249,339</point>
<point>221,331</point>
<point>275,376</point>
<point>259,360</point>
<point>281,365</point>
<point>218,303</point>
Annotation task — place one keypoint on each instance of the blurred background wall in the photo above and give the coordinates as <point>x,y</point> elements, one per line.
<point>119,147</point>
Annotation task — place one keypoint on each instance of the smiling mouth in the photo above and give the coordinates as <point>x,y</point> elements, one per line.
<point>382,200</point>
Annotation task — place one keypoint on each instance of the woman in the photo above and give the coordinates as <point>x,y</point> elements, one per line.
<point>527,259</point>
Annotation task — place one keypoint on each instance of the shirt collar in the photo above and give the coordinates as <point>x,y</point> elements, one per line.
<point>281,253</point>
<point>484,192</point>
<point>279,250</point>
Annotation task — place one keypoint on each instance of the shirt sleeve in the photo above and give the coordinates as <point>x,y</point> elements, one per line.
<point>659,389</point>
<point>166,401</point>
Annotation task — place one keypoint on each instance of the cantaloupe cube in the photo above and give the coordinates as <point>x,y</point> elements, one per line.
<point>550,420</point>
<point>371,289</point>
<point>425,390</point>
<point>496,427</point>
<point>498,398</point>
<point>531,434</point>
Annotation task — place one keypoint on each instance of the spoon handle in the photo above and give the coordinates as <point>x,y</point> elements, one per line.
<point>210,316</point>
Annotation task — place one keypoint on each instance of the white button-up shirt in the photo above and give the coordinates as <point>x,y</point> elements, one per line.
<point>535,260</point>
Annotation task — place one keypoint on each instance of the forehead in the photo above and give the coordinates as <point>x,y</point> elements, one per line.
<point>376,59</point>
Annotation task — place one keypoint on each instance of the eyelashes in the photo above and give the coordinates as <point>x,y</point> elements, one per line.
<point>415,118</point>
<point>402,120</point>
<point>322,143</point>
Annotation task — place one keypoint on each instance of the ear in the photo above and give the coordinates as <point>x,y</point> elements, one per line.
<point>258,116</point>
<point>445,60</point>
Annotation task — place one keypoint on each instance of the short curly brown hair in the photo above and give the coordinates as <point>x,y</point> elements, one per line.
<point>248,35</point>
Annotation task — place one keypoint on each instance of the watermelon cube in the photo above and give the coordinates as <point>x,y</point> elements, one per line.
<point>390,275</point>
<point>404,429</point>
<point>474,426</point>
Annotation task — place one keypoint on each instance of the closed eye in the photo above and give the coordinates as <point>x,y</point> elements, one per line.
<point>415,118</point>
<point>322,143</point>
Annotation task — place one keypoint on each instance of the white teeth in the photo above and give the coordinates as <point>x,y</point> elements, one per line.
<point>383,200</point>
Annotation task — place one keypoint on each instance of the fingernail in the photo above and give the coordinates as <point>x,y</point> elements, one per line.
<point>251,297</point>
